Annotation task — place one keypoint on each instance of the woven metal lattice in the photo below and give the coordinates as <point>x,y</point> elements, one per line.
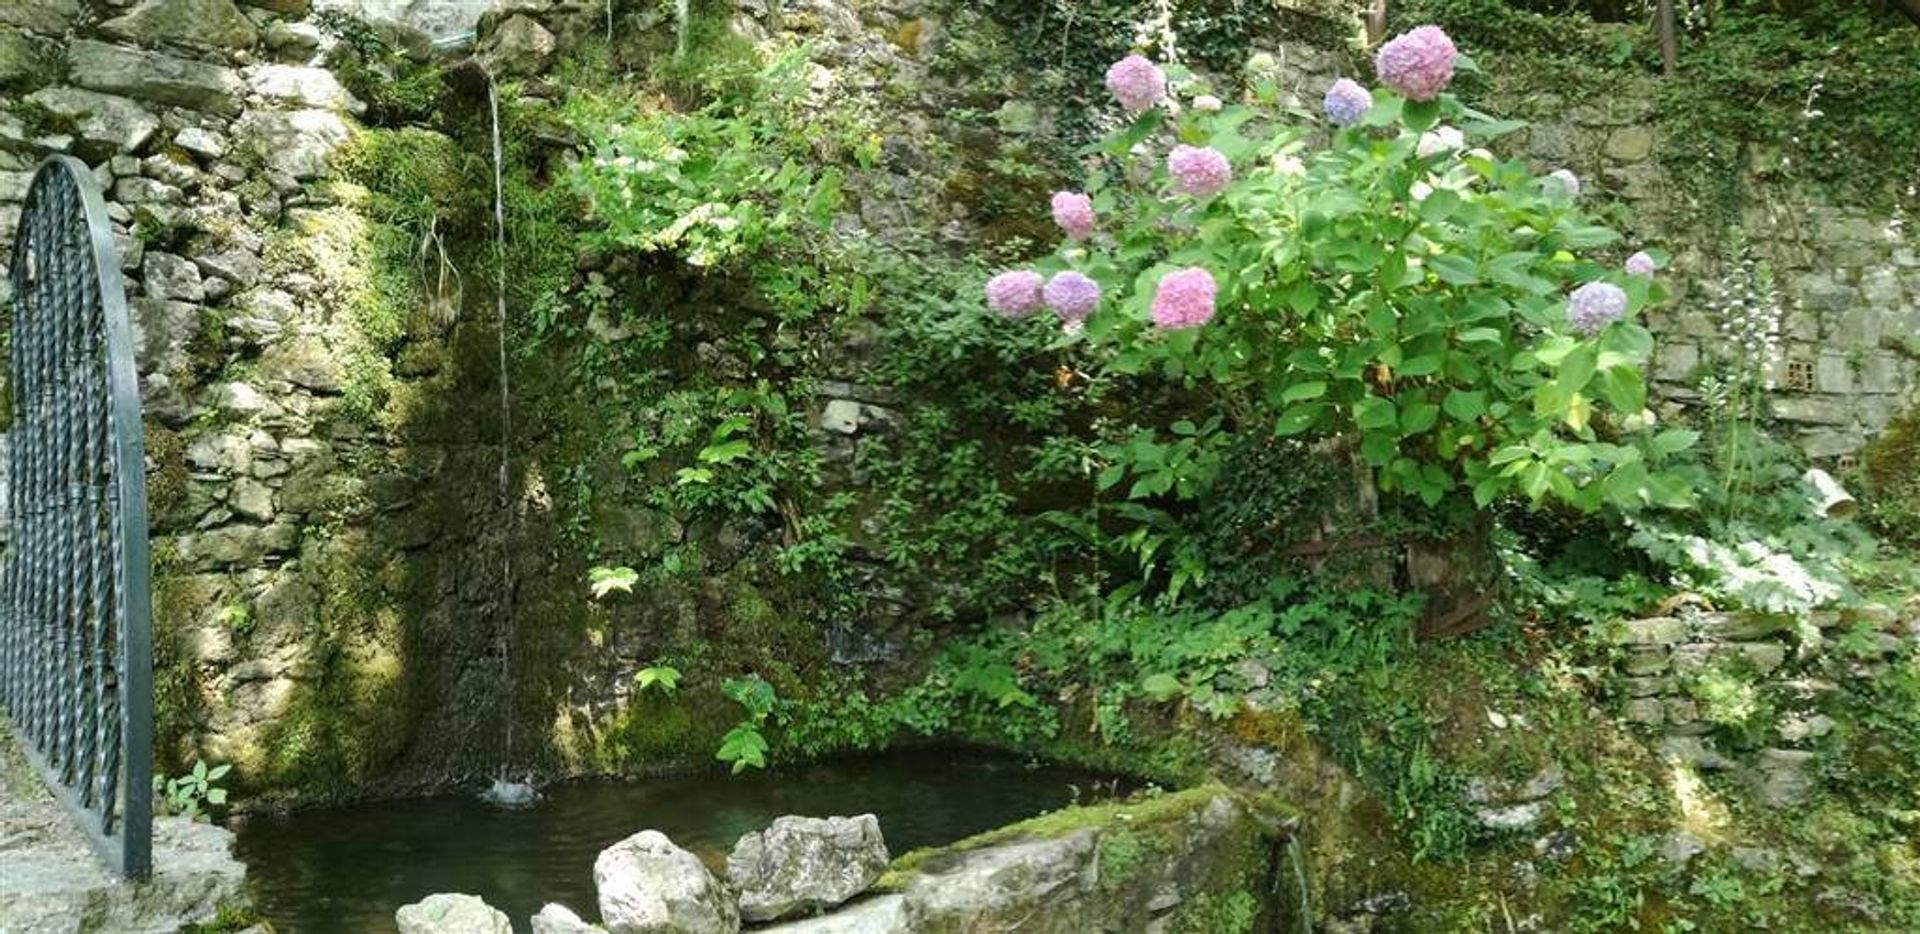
<point>75,647</point>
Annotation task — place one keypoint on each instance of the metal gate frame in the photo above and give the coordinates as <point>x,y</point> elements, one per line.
<point>76,645</point>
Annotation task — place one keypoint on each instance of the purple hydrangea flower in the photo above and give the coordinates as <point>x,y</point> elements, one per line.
<point>1595,305</point>
<point>1198,171</point>
<point>1015,294</point>
<point>1418,63</point>
<point>1137,83</point>
<point>1072,296</point>
<point>1346,102</point>
<point>1640,264</point>
<point>1073,211</point>
<point>1565,180</point>
<point>1184,299</point>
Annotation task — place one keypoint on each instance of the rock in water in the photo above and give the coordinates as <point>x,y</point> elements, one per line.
<point>445,913</point>
<point>649,886</point>
<point>805,864</point>
<point>559,919</point>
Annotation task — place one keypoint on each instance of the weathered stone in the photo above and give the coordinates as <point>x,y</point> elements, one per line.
<point>21,63</point>
<point>520,47</point>
<point>251,499</point>
<point>146,192</point>
<point>1646,710</point>
<point>805,864</point>
<point>216,24</point>
<point>167,276</point>
<point>1741,626</point>
<point>294,143</point>
<point>647,885</point>
<point>239,399</point>
<point>161,331</point>
<point>295,40</point>
<point>306,362</point>
<point>1696,751</point>
<point>151,76</point>
<point>1782,778</point>
<point>1764,657</point>
<point>201,142</point>
<point>559,919</point>
<point>451,914</point>
<point>294,9</point>
<point>1680,848</point>
<point>1518,817</point>
<point>113,124</point>
<point>1659,630</point>
<point>54,884</point>
<point>296,85</point>
<point>1646,660</point>
<point>885,914</point>
<point>237,265</point>
<point>1796,729</point>
<point>1629,144</point>
<point>52,17</point>
<point>1647,687</point>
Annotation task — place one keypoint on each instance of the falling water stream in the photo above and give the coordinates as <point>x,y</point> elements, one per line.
<point>504,791</point>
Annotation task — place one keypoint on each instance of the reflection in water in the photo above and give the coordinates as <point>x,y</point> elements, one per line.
<point>347,869</point>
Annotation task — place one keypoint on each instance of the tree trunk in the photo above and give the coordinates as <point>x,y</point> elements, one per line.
<point>1377,22</point>
<point>1669,47</point>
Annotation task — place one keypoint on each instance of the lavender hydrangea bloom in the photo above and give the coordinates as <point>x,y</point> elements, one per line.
<point>1566,180</point>
<point>1418,63</point>
<point>1184,299</point>
<point>1595,305</point>
<point>1198,171</point>
<point>1073,211</point>
<point>1137,83</point>
<point>1640,264</point>
<point>1015,294</point>
<point>1072,296</point>
<point>1346,102</point>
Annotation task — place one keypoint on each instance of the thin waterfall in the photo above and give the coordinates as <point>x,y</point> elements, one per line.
<point>504,791</point>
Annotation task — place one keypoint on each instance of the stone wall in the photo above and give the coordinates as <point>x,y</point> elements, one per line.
<point>1743,692</point>
<point>320,609</point>
<point>331,601</point>
<point>1848,277</point>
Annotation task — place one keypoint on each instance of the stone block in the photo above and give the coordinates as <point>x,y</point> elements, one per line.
<point>102,122</point>
<point>1658,630</point>
<point>153,77</point>
<point>51,17</point>
<point>1764,657</point>
<point>1645,710</point>
<point>1629,144</point>
<point>1647,687</point>
<point>1646,660</point>
<point>207,24</point>
<point>1740,626</point>
<point>1675,361</point>
<point>1783,777</point>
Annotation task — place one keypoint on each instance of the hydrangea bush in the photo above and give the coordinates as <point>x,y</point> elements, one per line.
<point>1367,272</point>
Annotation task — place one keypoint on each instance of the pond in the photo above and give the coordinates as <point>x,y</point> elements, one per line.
<point>347,869</point>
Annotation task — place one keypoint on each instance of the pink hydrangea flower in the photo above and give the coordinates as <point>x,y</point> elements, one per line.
<point>1567,182</point>
<point>1418,63</point>
<point>1184,299</point>
<point>1137,83</point>
<point>1198,171</point>
<point>1073,211</point>
<point>1346,102</point>
<point>1072,296</point>
<point>1015,294</point>
<point>1640,264</point>
<point>1595,305</point>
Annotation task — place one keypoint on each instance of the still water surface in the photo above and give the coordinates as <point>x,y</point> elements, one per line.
<point>346,869</point>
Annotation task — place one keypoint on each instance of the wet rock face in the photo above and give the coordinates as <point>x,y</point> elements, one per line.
<point>802,864</point>
<point>451,914</point>
<point>647,885</point>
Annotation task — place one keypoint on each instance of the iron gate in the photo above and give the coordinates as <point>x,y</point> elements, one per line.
<point>76,659</point>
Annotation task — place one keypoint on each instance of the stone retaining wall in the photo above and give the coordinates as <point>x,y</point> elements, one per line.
<point>1744,692</point>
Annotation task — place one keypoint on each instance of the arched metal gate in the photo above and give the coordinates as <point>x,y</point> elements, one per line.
<point>76,656</point>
